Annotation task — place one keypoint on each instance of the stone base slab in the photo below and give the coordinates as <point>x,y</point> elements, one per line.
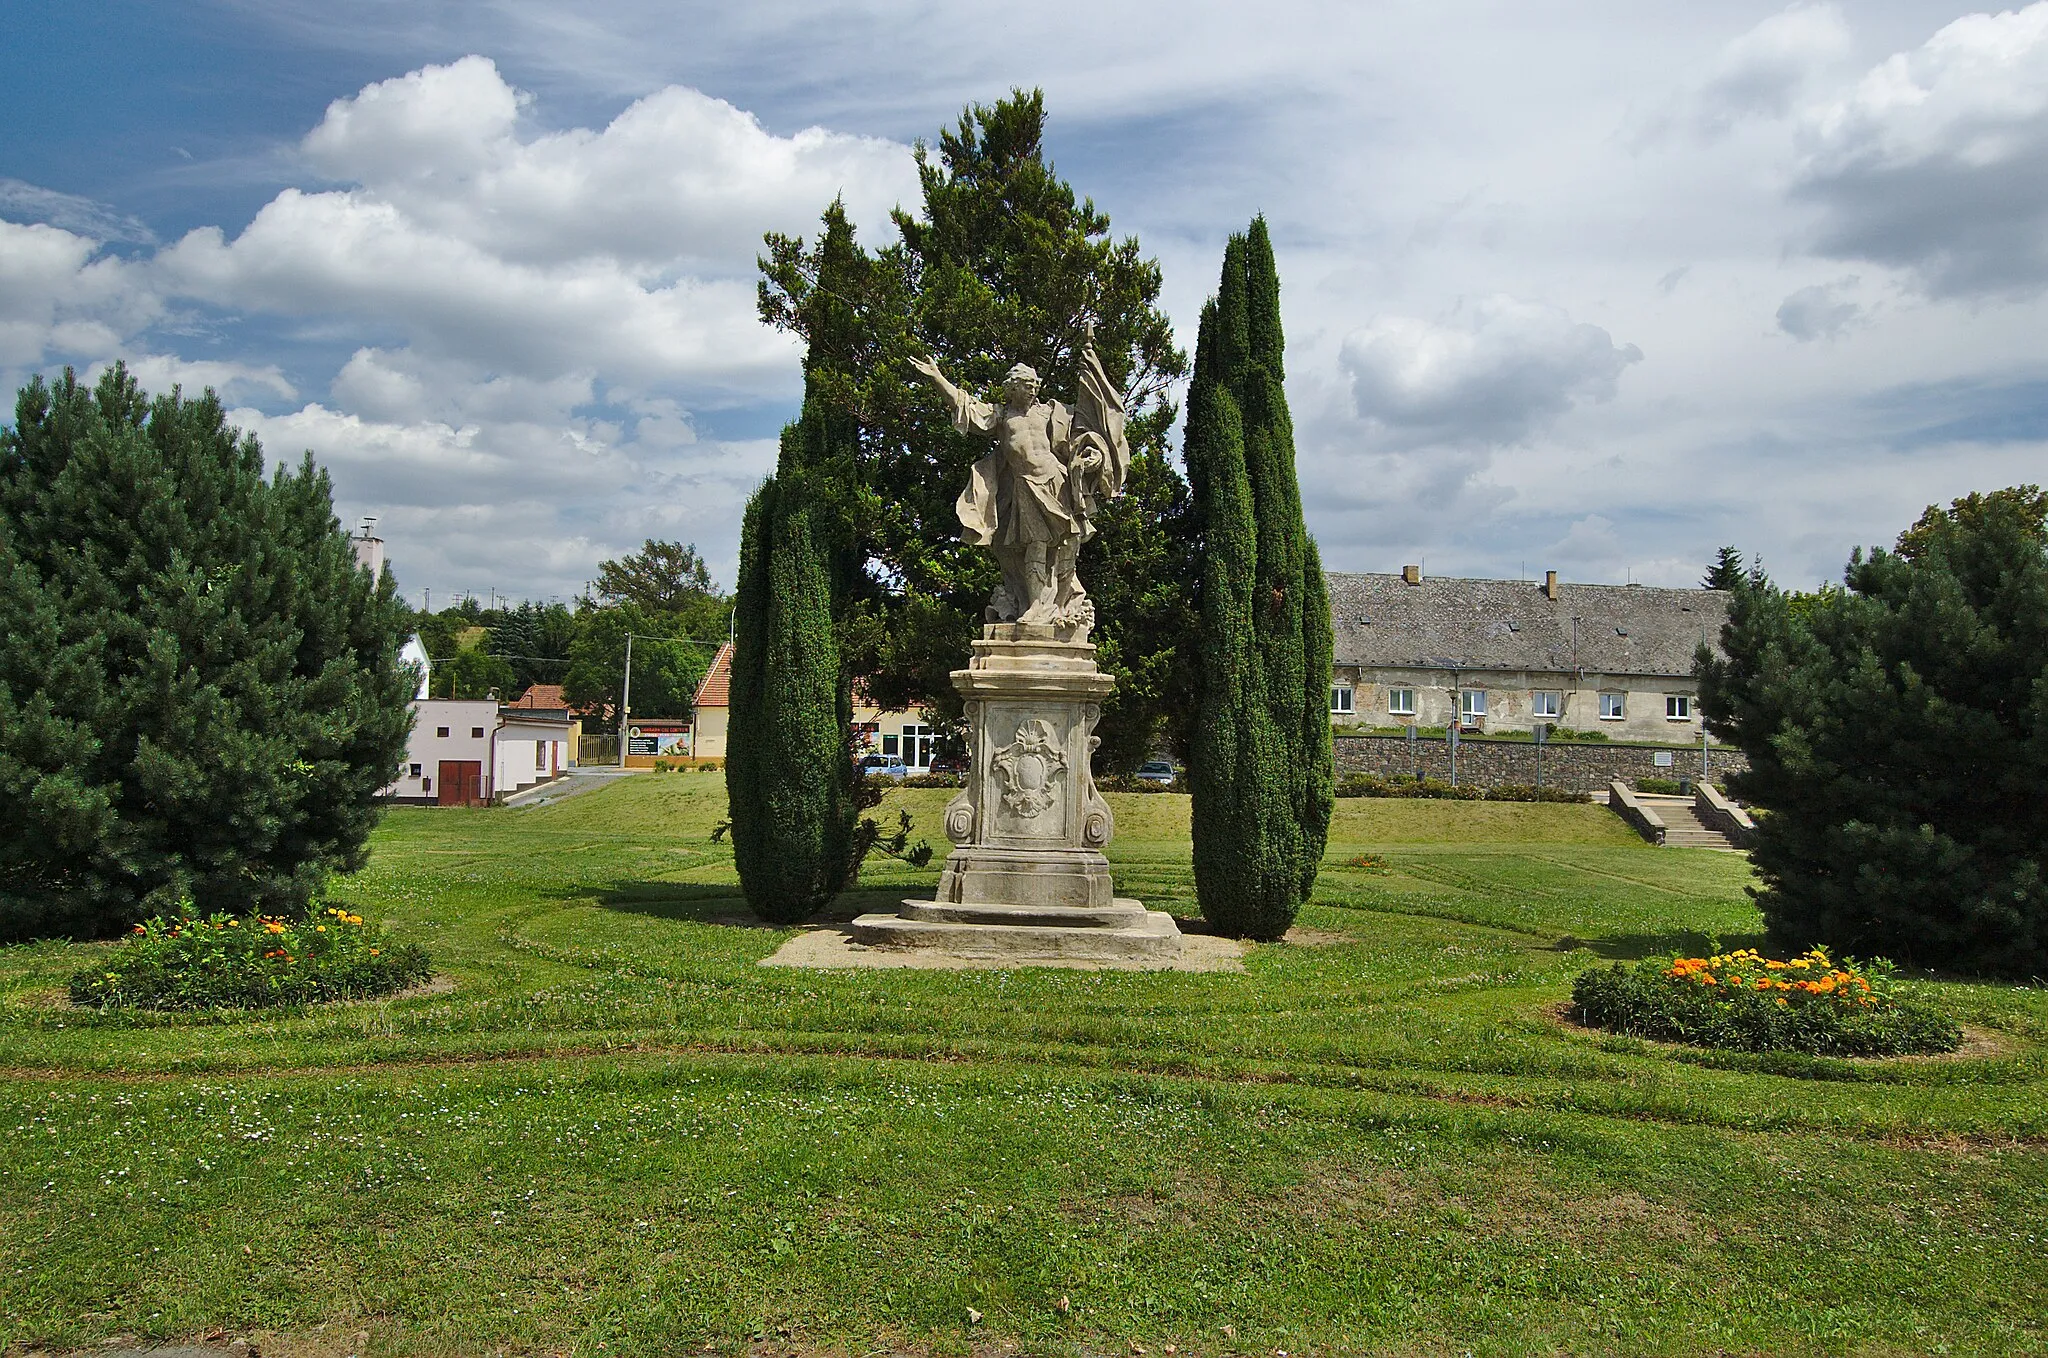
<point>1027,877</point>
<point>1126,931</point>
<point>1118,914</point>
<point>833,948</point>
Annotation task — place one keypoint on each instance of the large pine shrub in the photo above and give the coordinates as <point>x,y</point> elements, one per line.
<point>200,692</point>
<point>788,772</point>
<point>1897,735</point>
<point>1261,773</point>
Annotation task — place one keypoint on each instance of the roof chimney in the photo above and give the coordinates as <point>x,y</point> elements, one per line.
<point>1412,574</point>
<point>1550,584</point>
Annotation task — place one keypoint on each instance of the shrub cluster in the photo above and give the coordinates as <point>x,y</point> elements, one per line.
<point>1744,1001</point>
<point>1372,785</point>
<point>1666,787</point>
<point>222,961</point>
<point>927,780</point>
<point>1127,782</point>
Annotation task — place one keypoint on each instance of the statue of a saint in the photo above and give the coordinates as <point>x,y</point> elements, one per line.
<point>1033,498</point>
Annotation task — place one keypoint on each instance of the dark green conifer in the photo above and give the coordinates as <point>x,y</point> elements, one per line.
<point>1261,771</point>
<point>1727,572</point>
<point>200,691</point>
<point>788,775</point>
<point>1896,728</point>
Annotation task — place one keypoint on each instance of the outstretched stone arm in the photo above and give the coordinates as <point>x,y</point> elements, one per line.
<point>969,415</point>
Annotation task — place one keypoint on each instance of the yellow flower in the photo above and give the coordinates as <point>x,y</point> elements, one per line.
<point>319,928</point>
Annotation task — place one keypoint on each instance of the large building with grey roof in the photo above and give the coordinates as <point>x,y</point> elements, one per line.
<point>1509,655</point>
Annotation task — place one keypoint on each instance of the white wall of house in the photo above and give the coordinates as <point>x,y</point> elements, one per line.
<point>451,729</point>
<point>528,753</point>
<point>1625,706</point>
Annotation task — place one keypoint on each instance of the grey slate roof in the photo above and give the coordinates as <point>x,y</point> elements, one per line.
<point>1381,620</point>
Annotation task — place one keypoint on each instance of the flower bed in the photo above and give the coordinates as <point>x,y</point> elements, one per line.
<point>223,961</point>
<point>1744,1001</point>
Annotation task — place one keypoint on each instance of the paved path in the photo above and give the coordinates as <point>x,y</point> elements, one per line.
<point>569,784</point>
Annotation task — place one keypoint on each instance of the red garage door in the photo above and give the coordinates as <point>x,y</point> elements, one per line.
<point>462,782</point>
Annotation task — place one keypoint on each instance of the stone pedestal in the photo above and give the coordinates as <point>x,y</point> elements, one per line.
<point>1026,877</point>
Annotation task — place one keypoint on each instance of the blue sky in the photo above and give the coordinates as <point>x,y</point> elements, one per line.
<point>1595,288</point>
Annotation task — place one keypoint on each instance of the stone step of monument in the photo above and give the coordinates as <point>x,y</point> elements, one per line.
<point>1119,914</point>
<point>1151,934</point>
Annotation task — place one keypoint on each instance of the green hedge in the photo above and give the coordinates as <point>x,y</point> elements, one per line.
<point>1372,785</point>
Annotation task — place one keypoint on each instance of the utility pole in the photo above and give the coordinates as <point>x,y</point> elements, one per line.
<point>626,700</point>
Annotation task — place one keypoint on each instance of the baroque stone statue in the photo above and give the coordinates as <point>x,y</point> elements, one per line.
<point>1027,880</point>
<point>1033,498</point>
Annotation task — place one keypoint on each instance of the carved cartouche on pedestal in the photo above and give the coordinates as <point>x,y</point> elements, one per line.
<point>1029,827</point>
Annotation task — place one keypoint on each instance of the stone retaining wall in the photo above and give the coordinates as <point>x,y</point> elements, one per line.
<point>1495,763</point>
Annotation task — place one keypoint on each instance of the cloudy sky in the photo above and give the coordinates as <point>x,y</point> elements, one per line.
<point>1592,287</point>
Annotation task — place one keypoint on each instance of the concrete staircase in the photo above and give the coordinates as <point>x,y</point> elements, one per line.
<point>1682,827</point>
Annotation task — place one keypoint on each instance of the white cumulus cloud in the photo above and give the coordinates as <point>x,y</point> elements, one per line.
<point>1936,161</point>
<point>679,179</point>
<point>1494,372</point>
<point>1763,73</point>
<point>1820,311</point>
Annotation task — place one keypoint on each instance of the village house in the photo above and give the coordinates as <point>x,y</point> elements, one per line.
<point>475,751</point>
<point>905,735</point>
<point>1511,655</point>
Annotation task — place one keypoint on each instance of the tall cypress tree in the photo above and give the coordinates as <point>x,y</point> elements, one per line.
<point>1261,773</point>
<point>787,776</point>
<point>200,691</point>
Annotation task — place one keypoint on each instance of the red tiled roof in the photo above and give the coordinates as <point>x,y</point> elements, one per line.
<point>541,695</point>
<point>716,690</point>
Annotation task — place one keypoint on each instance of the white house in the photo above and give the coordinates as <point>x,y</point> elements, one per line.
<point>475,751</point>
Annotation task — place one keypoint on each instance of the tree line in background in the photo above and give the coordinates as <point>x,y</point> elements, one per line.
<point>663,596</point>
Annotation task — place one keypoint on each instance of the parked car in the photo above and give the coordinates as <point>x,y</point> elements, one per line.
<point>883,766</point>
<point>1156,771</point>
<point>949,763</point>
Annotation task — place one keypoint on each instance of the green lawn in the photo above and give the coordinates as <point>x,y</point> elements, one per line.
<point>617,1135</point>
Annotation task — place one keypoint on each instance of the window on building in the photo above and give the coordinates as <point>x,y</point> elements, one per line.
<point>889,745</point>
<point>1544,704</point>
<point>540,754</point>
<point>1401,702</point>
<point>413,769</point>
<point>1612,707</point>
<point>1340,699</point>
<point>917,746</point>
<point>441,732</point>
<point>1678,707</point>
<point>1471,704</point>
<point>476,733</point>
